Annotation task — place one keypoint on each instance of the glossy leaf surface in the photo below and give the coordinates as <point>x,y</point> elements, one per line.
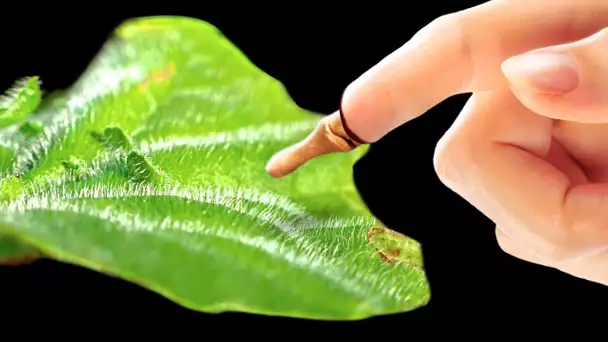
<point>151,168</point>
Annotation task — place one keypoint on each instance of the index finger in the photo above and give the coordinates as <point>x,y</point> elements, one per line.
<point>459,53</point>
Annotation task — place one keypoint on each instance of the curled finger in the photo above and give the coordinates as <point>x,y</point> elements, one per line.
<point>496,156</point>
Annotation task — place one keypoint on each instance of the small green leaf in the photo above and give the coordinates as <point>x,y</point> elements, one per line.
<point>152,168</point>
<point>73,164</point>
<point>140,170</point>
<point>31,128</point>
<point>113,138</point>
<point>20,101</point>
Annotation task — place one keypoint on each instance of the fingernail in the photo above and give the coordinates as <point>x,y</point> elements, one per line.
<point>552,73</point>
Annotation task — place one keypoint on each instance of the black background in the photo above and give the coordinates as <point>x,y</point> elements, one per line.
<point>316,52</point>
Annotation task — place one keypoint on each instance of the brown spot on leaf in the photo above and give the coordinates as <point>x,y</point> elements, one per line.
<point>370,235</point>
<point>19,261</point>
<point>394,247</point>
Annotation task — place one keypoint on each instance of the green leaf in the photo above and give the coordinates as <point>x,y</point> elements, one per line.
<point>152,168</point>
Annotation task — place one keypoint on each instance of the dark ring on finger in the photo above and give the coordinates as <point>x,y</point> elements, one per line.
<point>348,131</point>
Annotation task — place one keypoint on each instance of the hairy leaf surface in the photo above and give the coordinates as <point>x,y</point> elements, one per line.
<point>151,168</point>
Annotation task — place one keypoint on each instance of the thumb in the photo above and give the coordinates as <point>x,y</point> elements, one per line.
<point>565,82</point>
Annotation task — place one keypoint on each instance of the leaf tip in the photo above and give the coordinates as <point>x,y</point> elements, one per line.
<point>135,26</point>
<point>394,247</point>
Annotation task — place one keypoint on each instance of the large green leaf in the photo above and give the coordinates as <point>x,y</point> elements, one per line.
<point>151,168</point>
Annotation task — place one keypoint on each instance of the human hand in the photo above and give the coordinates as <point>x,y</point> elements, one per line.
<point>530,148</point>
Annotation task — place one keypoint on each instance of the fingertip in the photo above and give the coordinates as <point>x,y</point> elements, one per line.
<point>329,136</point>
<point>289,159</point>
<point>276,166</point>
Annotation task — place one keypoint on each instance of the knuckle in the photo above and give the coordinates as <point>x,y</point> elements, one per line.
<point>554,252</point>
<point>447,160</point>
<point>593,46</point>
<point>441,159</point>
<point>532,251</point>
<point>448,25</point>
<point>447,21</point>
<point>555,244</point>
<point>457,153</point>
<point>503,242</point>
<point>572,234</point>
<point>509,246</point>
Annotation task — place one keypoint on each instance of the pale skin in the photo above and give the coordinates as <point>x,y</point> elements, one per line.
<point>530,148</point>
